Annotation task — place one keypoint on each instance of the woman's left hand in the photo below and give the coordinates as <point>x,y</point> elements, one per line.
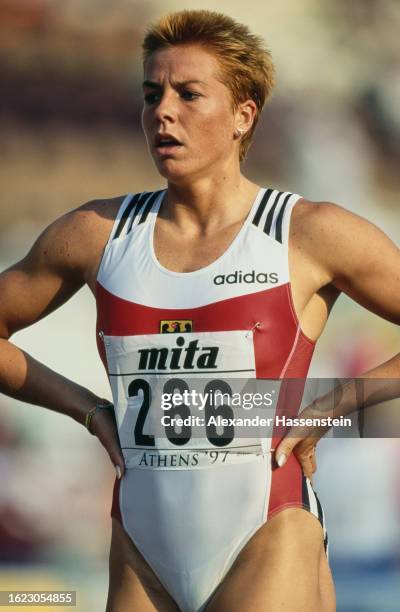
<point>302,440</point>
<point>303,449</point>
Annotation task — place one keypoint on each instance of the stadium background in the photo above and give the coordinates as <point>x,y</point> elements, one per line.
<point>70,131</point>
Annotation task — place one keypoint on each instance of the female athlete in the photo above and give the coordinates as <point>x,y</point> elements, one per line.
<point>210,276</point>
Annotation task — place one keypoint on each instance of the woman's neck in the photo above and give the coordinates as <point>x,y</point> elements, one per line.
<point>209,202</point>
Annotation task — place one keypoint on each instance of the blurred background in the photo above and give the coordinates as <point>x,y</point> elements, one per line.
<point>70,131</point>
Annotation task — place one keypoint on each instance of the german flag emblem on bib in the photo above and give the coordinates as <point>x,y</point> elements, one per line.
<point>176,326</point>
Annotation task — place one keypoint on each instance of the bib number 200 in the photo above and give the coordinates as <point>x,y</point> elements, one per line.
<point>174,385</point>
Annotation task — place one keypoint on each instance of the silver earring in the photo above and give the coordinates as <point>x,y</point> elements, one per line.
<point>239,132</point>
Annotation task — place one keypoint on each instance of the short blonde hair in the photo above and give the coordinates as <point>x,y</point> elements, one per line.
<point>246,64</point>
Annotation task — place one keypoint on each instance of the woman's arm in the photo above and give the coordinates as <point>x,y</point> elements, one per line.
<point>360,260</point>
<point>55,269</point>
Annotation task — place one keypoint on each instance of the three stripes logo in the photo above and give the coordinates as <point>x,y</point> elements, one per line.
<point>136,212</point>
<point>272,220</point>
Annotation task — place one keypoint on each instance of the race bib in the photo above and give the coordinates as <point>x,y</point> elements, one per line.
<point>179,399</point>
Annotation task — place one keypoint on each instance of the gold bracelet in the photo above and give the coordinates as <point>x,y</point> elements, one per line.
<point>89,415</point>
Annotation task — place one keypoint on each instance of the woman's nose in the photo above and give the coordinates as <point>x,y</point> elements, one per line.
<point>166,108</point>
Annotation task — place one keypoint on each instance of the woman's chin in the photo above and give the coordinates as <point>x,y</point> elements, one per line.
<point>173,170</point>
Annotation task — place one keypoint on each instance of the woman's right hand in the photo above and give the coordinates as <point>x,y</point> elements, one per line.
<point>104,426</point>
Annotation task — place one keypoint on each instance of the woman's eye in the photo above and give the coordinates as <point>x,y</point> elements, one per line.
<point>189,95</point>
<point>151,98</point>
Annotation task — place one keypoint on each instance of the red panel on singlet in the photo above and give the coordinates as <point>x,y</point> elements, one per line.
<point>276,339</point>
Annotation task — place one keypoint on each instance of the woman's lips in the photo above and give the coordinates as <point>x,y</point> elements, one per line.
<point>166,148</point>
<point>166,143</point>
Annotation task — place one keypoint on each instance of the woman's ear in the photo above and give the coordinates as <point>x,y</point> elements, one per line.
<point>244,117</point>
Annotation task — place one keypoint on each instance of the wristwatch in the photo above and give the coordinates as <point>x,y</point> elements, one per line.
<point>98,406</point>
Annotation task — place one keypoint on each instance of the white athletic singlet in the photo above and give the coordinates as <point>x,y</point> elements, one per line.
<point>189,503</point>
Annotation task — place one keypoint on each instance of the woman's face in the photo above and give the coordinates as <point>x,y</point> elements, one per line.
<point>187,115</point>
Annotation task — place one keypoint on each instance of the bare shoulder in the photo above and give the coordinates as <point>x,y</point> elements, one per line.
<point>349,252</point>
<point>74,241</point>
<point>310,217</point>
<point>64,257</point>
<point>91,221</point>
<point>338,237</point>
